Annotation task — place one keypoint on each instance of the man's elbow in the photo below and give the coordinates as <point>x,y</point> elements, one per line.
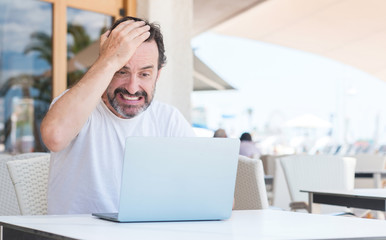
<point>52,138</point>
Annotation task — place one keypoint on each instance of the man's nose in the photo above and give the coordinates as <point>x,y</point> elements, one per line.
<point>132,85</point>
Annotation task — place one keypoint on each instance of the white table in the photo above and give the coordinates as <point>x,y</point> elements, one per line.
<point>254,224</point>
<point>366,198</point>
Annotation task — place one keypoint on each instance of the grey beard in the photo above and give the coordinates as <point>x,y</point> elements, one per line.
<point>121,109</point>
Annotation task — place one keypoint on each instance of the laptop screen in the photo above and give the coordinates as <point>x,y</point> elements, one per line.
<point>172,179</point>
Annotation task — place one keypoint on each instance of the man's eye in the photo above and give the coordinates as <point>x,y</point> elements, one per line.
<point>145,74</point>
<point>121,73</point>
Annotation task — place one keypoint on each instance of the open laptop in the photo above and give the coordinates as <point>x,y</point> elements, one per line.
<point>177,179</point>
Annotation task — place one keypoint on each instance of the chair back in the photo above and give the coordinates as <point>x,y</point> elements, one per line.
<point>315,172</point>
<point>30,180</point>
<point>269,163</point>
<point>8,201</point>
<point>370,162</point>
<point>250,191</point>
<point>278,195</point>
<point>29,155</point>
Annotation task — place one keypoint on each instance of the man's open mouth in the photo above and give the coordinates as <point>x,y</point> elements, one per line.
<point>131,98</point>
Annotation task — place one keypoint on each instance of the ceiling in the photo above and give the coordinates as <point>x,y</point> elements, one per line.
<point>210,13</point>
<point>206,79</point>
<point>350,31</point>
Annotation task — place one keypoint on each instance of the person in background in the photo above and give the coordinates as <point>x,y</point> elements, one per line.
<point>220,133</point>
<point>87,125</point>
<point>248,147</point>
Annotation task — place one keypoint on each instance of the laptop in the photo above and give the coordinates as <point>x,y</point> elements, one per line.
<point>177,179</point>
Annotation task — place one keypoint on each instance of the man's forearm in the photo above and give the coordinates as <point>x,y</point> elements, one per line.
<point>67,116</point>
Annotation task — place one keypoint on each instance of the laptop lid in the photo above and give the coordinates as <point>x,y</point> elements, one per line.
<point>178,179</point>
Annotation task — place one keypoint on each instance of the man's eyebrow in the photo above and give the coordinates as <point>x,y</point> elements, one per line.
<point>124,68</point>
<point>147,67</point>
<point>142,68</point>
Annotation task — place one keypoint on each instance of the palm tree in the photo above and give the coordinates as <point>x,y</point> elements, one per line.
<point>81,40</point>
<point>80,36</point>
<point>41,43</point>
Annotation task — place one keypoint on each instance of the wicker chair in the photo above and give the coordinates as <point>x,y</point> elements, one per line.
<point>30,180</point>
<point>8,201</point>
<point>250,191</point>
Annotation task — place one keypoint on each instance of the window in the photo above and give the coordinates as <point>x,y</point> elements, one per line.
<point>25,73</point>
<point>41,47</point>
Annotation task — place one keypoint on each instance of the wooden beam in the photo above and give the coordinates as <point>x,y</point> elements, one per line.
<point>110,7</point>
<point>130,7</point>
<point>59,47</point>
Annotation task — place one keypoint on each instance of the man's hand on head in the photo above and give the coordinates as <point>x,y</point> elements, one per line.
<point>119,45</point>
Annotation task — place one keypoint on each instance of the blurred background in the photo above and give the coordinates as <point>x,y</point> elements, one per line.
<point>308,77</point>
<point>301,76</point>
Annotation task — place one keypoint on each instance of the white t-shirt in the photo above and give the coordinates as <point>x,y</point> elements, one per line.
<point>85,177</point>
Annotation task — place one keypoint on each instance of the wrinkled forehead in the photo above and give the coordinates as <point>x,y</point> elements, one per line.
<point>145,55</point>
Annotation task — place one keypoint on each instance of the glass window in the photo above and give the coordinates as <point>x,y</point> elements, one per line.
<point>84,30</point>
<point>25,73</point>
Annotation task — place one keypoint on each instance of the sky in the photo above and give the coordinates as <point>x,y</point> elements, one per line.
<point>280,83</point>
<point>16,26</point>
<point>15,33</point>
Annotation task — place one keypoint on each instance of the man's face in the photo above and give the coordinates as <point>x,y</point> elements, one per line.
<point>132,88</point>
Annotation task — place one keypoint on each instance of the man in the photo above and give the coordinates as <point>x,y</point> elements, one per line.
<point>86,126</point>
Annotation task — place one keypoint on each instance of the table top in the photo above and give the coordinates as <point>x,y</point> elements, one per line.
<point>244,224</point>
<point>377,193</point>
<point>372,171</point>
